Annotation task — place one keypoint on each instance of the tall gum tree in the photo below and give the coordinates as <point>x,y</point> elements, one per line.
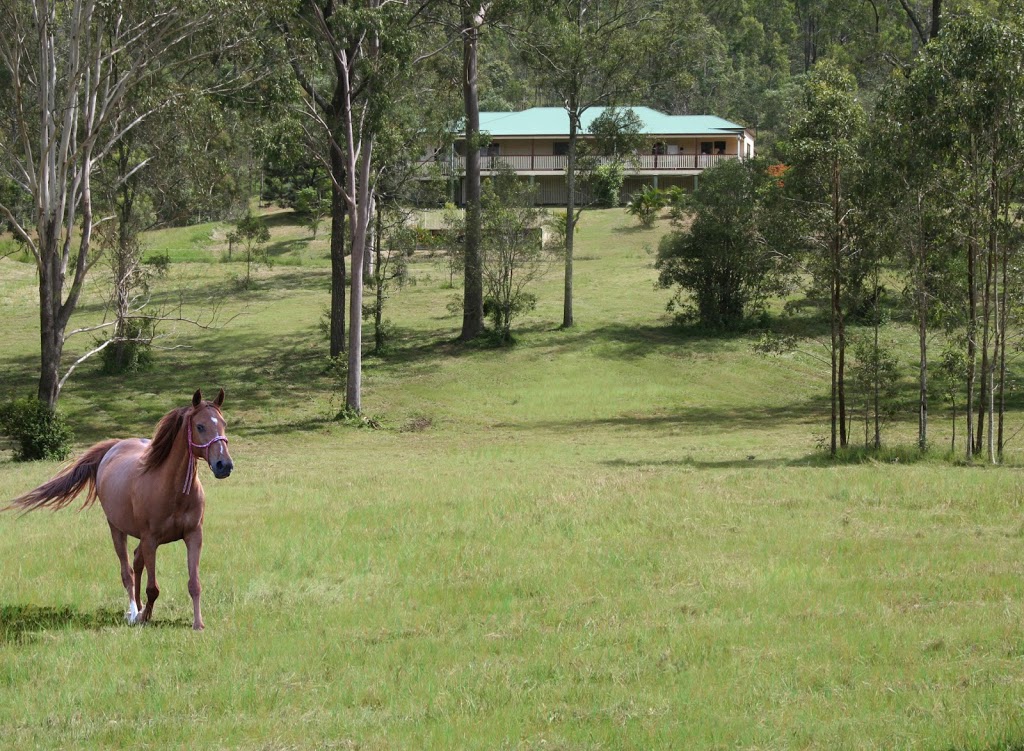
<point>588,53</point>
<point>824,153</point>
<point>370,45</point>
<point>68,66</point>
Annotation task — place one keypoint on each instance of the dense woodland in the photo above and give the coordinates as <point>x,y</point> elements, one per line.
<point>889,134</point>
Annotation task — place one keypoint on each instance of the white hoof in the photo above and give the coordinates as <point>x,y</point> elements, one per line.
<point>133,615</point>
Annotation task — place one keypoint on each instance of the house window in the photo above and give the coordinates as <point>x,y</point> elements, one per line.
<point>659,148</point>
<point>712,147</point>
<point>490,149</point>
<point>560,148</point>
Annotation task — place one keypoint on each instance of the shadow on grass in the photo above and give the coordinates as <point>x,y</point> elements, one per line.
<point>695,419</point>
<point>743,463</point>
<point>633,229</point>
<point>20,624</point>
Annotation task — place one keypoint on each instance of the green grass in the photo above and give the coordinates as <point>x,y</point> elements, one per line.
<point>616,536</point>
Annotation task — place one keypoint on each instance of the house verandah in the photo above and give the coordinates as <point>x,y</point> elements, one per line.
<point>534,144</point>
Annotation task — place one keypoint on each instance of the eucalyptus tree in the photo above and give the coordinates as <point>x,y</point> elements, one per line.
<point>825,157</point>
<point>472,18</point>
<point>588,53</point>
<point>67,68</point>
<point>352,61</point>
<point>912,221</point>
<point>972,78</point>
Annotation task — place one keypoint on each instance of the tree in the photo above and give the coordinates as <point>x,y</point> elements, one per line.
<point>473,15</point>
<point>616,138</point>
<point>967,110</point>
<point>369,49</point>
<point>588,53</point>
<point>724,260</point>
<point>824,153</point>
<point>312,205</point>
<point>513,254</point>
<point>253,234</point>
<point>67,69</point>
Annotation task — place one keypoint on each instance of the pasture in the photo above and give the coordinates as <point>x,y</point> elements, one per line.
<point>616,537</point>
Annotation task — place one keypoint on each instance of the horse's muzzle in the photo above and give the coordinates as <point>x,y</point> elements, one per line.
<point>222,469</point>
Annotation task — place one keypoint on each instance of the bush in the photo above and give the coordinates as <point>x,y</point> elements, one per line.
<point>646,204</point>
<point>133,355</point>
<point>37,433</point>
<point>606,184</point>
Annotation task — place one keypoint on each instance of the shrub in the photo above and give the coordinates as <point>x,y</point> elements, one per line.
<point>37,433</point>
<point>646,204</point>
<point>133,355</point>
<point>606,184</point>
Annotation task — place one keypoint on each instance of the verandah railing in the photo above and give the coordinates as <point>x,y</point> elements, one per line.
<point>546,163</point>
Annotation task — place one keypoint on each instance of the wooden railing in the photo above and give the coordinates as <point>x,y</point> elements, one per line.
<point>547,163</point>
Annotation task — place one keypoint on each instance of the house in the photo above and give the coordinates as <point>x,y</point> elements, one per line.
<point>535,143</point>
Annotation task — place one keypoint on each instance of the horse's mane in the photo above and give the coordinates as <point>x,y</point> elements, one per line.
<point>163,440</point>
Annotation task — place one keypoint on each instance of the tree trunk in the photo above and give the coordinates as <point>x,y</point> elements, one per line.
<point>936,24</point>
<point>834,321</point>
<point>922,345</point>
<point>473,289</point>
<point>378,312</point>
<point>570,212</point>
<point>972,345</point>
<point>51,339</point>
<point>338,212</point>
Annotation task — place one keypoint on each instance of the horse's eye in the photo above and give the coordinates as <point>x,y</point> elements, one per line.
<point>201,428</point>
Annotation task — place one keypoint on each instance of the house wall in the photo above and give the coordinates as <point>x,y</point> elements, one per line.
<point>545,146</point>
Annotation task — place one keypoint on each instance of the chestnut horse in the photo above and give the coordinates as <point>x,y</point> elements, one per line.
<point>149,490</point>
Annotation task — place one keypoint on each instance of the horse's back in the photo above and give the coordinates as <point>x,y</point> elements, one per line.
<point>115,482</point>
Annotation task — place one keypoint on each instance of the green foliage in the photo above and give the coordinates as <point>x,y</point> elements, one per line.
<point>513,255</point>
<point>875,375</point>
<point>723,267</point>
<point>678,201</point>
<point>606,184</point>
<point>647,204</point>
<point>133,355</point>
<point>618,133</point>
<point>35,431</point>
<point>313,206</point>
<point>452,242</point>
<point>252,232</point>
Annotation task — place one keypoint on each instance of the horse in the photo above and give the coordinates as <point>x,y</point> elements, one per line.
<point>149,490</point>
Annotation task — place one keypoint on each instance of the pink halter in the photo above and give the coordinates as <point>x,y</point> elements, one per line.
<point>191,473</point>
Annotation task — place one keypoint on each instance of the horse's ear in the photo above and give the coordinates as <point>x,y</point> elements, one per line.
<point>219,400</point>
<point>197,398</point>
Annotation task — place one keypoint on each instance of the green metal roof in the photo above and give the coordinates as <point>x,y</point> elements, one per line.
<point>553,121</point>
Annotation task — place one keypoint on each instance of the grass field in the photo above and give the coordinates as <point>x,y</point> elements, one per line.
<point>620,536</point>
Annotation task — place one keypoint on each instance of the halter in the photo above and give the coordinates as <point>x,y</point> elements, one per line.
<point>191,473</point>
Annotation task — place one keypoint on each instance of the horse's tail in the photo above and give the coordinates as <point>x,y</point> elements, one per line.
<point>61,490</point>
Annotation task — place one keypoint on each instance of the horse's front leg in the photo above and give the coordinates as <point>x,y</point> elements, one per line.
<point>148,548</point>
<point>194,548</point>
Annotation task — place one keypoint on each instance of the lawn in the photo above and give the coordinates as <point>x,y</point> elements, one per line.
<point>623,536</point>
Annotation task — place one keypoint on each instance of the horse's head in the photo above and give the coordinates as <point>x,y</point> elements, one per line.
<point>208,434</point>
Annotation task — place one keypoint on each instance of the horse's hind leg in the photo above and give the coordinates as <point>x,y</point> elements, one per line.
<point>148,548</point>
<point>127,577</point>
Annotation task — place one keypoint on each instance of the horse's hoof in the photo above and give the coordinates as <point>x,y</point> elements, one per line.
<point>198,627</point>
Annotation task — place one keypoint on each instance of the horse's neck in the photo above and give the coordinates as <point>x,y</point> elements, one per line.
<point>176,467</point>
